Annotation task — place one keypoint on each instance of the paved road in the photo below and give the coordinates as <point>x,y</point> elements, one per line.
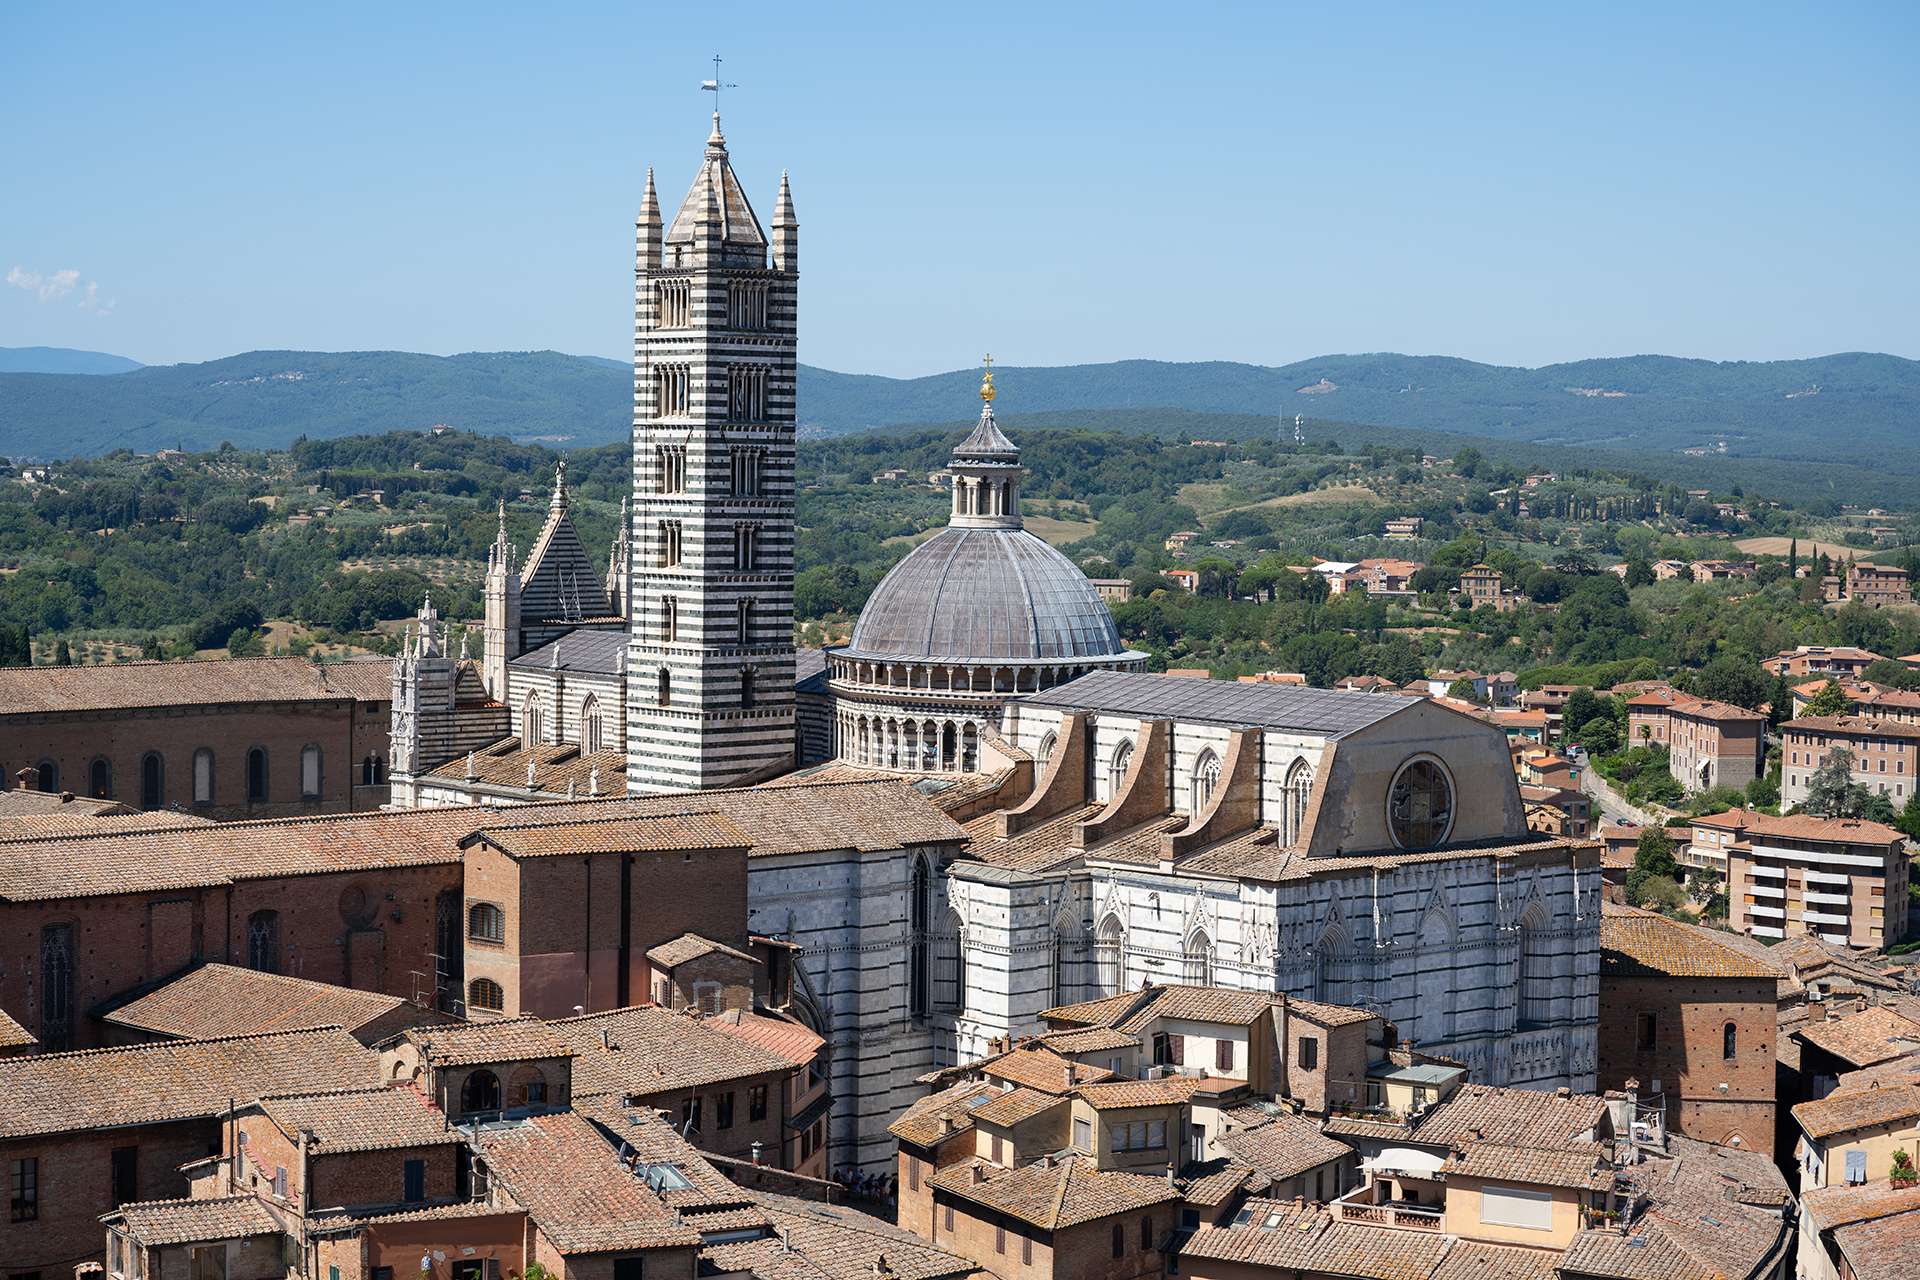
<point>1611,805</point>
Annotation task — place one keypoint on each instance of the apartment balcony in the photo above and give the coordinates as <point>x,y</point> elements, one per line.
<point>1824,917</point>
<point>1760,871</point>
<point>1832,899</point>
<point>1374,1205</point>
<point>1766,891</point>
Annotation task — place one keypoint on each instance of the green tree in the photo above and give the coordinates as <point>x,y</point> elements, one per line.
<point>16,646</point>
<point>1600,735</point>
<point>1729,678</point>
<point>245,642</point>
<point>1763,792</point>
<point>62,653</point>
<point>1830,701</point>
<point>1652,859</point>
<point>1467,461</point>
<point>1779,702</point>
<point>1639,572</point>
<point>1583,706</point>
<point>1909,820</point>
<point>1463,690</point>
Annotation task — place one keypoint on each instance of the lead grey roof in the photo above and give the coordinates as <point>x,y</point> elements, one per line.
<point>590,652</point>
<point>1329,713</point>
<point>985,595</point>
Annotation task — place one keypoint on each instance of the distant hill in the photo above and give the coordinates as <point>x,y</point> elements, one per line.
<point>1855,407</point>
<point>62,360</point>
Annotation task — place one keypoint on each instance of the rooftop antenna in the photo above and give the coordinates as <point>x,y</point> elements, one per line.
<point>714,86</point>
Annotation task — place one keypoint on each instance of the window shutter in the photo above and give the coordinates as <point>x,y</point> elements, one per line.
<point>1177,1050</point>
<point>1856,1167</point>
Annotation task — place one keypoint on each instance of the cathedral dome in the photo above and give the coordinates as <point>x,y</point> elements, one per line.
<point>984,595</point>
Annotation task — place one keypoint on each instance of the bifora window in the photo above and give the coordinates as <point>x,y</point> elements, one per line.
<point>1420,805</point>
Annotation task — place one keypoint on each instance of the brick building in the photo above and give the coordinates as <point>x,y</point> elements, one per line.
<point>1820,660</point>
<point>1709,744</point>
<point>227,738</point>
<point>1844,879</point>
<point>84,1132</point>
<point>1886,754</point>
<point>1692,1020</point>
<point>1877,585</point>
<point>1482,585</point>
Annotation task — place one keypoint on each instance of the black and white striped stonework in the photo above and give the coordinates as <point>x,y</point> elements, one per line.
<point>710,670</point>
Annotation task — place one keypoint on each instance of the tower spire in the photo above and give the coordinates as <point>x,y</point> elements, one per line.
<point>786,229</point>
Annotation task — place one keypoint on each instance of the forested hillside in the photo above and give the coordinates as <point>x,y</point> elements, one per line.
<point>1858,408</point>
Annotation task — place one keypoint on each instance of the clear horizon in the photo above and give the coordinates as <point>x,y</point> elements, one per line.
<point>1072,185</point>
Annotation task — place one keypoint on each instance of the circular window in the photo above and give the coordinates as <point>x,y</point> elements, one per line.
<point>1420,805</point>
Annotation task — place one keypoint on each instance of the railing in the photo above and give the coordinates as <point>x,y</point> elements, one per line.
<point>1388,1215</point>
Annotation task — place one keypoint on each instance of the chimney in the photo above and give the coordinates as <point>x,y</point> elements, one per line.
<point>1066,1069</point>
<point>606,1038</point>
<point>976,1175</point>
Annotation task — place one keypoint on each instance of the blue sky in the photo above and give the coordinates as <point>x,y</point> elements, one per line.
<point>1056,183</point>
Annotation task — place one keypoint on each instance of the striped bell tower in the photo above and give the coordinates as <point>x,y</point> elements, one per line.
<point>710,666</point>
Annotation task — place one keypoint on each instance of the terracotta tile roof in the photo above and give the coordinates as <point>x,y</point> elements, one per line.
<point>640,1131</point>
<point>158,1223</point>
<point>522,1039</point>
<point>1122,1094</point>
<point>1306,1239</point>
<point>1858,1109</point>
<point>922,1122</point>
<point>691,946</point>
<point>1212,1182</point>
<point>1801,826</point>
<point>663,832</point>
<point>175,1080</point>
<point>1701,1212</point>
<point>1043,845</point>
<point>1581,1166</point>
<point>19,802</point>
<point>224,853</point>
<point>1855,726</point>
<point>829,1241</point>
<point>334,1219</point>
<point>13,1035</point>
<point>1520,1117</point>
<point>38,826</point>
<point>1043,1070</point>
<point>1088,1040</point>
<point>372,1119</point>
<point>1329,1015</point>
<point>1883,1249</point>
<point>1472,1260</point>
<point>1839,1206</point>
<point>1280,1145</point>
<point>225,1000</point>
<point>809,817</point>
<point>125,685</point>
<point>576,1190</point>
<point>1015,1105</point>
<point>1103,1012</point>
<point>1861,1039</point>
<point>1054,1193</point>
<point>1635,943</point>
<point>656,1050</point>
<point>784,1037</point>
<point>556,766</point>
<point>1901,1070</point>
<point>1134,1011</point>
<point>364,679</point>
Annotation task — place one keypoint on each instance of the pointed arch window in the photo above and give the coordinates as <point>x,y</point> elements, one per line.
<point>1045,752</point>
<point>1198,958</point>
<point>533,727</point>
<point>311,776</point>
<point>1206,778</point>
<point>665,692</point>
<point>1067,946</point>
<point>1536,969</point>
<point>263,941</point>
<point>1117,766</point>
<point>1110,953</point>
<point>100,779</point>
<point>1433,1017</point>
<point>590,724</point>
<point>1293,804</point>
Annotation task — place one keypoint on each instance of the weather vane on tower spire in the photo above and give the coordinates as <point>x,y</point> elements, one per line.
<point>714,86</point>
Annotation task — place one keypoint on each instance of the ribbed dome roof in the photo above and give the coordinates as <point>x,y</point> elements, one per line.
<point>985,595</point>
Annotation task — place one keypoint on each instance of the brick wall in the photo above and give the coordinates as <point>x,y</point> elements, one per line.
<point>1690,1016</point>
<point>360,929</point>
<point>76,1187</point>
<point>125,737</point>
<point>1083,1252</point>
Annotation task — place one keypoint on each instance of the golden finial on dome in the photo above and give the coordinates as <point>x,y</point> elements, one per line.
<point>986,380</point>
